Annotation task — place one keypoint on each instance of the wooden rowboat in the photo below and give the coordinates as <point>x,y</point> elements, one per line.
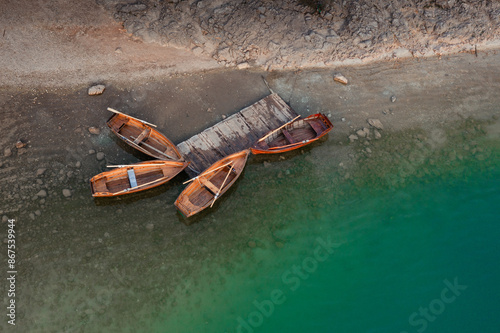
<point>135,177</point>
<point>143,137</point>
<point>293,135</point>
<point>211,184</point>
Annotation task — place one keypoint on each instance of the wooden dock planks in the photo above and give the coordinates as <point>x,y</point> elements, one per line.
<point>235,133</point>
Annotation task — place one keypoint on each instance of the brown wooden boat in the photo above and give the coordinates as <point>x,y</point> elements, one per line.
<point>143,137</point>
<point>135,177</point>
<point>293,135</point>
<point>211,184</point>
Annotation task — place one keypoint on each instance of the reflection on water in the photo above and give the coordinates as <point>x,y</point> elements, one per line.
<point>131,264</point>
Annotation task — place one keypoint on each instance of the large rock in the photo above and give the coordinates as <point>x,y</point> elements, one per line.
<point>96,90</point>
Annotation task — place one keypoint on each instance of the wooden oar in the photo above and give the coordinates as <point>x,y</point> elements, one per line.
<point>142,121</point>
<point>265,136</point>
<point>217,195</point>
<point>291,144</point>
<point>136,187</point>
<point>156,150</point>
<point>131,165</point>
<point>206,173</point>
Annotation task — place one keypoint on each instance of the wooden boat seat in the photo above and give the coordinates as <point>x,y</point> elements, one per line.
<point>131,178</point>
<point>209,185</point>
<point>288,136</point>
<point>142,136</point>
<point>317,127</point>
<point>100,185</point>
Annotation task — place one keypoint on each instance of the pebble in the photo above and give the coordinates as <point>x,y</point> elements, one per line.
<point>376,123</point>
<point>91,151</point>
<point>99,156</point>
<point>96,90</point>
<point>66,193</point>
<point>377,134</point>
<point>78,164</point>
<point>243,65</point>
<point>118,50</point>
<point>353,137</point>
<point>40,171</point>
<point>38,212</point>
<point>20,144</point>
<point>94,130</point>
<point>7,152</point>
<point>5,218</point>
<point>340,78</point>
<point>267,164</point>
<point>150,226</point>
<point>393,99</point>
<point>42,194</point>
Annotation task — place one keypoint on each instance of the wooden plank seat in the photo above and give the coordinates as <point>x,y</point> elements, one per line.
<point>317,127</point>
<point>100,185</point>
<point>209,185</point>
<point>287,136</point>
<point>131,178</point>
<point>142,136</point>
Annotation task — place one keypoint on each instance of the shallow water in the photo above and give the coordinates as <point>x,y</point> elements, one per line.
<point>318,241</point>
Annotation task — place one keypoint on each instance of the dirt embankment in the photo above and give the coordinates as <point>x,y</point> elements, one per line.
<point>311,33</point>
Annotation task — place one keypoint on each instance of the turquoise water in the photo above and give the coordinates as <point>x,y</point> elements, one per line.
<point>333,238</point>
<point>408,246</point>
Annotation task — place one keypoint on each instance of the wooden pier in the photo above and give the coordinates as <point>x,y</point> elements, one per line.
<point>235,133</point>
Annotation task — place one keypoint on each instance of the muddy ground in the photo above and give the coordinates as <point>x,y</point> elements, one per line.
<point>61,153</point>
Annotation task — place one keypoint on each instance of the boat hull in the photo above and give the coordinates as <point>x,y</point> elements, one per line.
<point>211,184</point>
<point>297,134</point>
<point>135,178</point>
<point>143,138</point>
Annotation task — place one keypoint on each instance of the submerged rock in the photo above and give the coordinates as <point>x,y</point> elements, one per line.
<point>94,130</point>
<point>99,156</point>
<point>66,193</point>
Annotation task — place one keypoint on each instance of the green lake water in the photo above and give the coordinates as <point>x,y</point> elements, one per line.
<point>406,246</point>
<point>402,239</point>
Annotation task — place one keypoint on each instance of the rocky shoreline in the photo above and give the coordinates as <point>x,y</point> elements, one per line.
<point>274,35</point>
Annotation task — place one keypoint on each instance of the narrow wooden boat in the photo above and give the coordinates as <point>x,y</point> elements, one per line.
<point>143,137</point>
<point>135,177</point>
<point>211,184</point>
<point>293,135</point>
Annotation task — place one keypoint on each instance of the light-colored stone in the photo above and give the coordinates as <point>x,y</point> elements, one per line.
<point>40,171</point>
<point>20,144</point>
<point>376,123</point>
<point>96,90</point>
<point>66,193</point>
<point>99,156</point>
<point>340,78</point>
<point>42,194</point>
<point>243,65</point>
<point>377,134</point>
<point>7,152</point>
<point>353,137</point>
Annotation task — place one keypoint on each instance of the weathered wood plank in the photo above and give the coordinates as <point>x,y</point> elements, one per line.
<point>235,133</point>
